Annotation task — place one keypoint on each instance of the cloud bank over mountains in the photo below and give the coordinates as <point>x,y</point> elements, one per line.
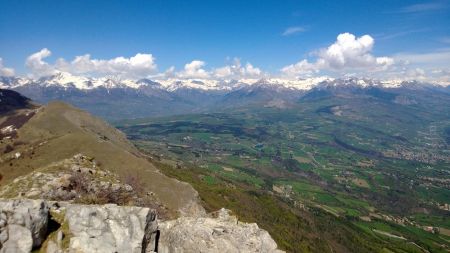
<point>237,71</point>
<point>348,55</point>
<point>137,66</point>
<point>4,71</point>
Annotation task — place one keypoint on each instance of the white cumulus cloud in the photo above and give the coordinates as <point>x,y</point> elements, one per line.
<point>347,53</point>
<point>37,65</point>
<point>4,71</point>
<point>140,65</point>
<point>237,71</point>
<point>302,67</point>
<point>194,69</point>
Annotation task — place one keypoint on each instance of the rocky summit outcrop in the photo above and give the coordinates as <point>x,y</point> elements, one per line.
<point>81,180</point>
<point>220,233</point>
<point>56,227</point>
<point>108,228</point>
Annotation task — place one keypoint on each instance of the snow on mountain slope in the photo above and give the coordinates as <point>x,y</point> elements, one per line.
<point>67,80</point>
<point>12,82</point>
<point>300,84</point>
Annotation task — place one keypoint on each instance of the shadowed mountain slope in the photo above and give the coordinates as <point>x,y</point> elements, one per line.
<point>58,131</point>
<point>12,100</point>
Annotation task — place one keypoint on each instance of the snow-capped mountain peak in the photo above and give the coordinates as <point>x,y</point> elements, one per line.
<point>66,80</point>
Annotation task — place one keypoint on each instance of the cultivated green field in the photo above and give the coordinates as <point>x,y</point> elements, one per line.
<point>340,174</point>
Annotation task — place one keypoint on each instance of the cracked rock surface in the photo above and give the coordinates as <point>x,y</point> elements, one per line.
<point>28,225</point>
<point>221,234</point>
<point>23,224</point>
<point>110,228</point>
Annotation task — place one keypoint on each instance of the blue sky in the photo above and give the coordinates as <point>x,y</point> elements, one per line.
<point>268,34</point>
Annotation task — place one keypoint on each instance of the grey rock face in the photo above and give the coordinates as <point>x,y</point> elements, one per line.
<point>86,228</point>
<point>26,225</point>
<point>221,234</point>
<point>110,228</point>
<point>18,239</point>
<point>23,224</point>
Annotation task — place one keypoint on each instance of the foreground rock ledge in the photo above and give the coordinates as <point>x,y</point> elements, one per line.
<point>63,227</point>
<point>224,233</point>
<point>54,227</point>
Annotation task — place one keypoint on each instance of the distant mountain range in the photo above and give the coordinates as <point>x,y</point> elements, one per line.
<point>113,98</point>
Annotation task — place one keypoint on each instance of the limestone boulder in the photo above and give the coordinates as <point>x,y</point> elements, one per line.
<point>23,224</point>
<point>110,228</point>
<point>223,233</point>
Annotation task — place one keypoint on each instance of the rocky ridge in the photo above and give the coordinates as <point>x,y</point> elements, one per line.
<point>90,205</point>
<point>57,226</point>
<point>42,148</point>
<point>109,198</point>
<point>81,180</point>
